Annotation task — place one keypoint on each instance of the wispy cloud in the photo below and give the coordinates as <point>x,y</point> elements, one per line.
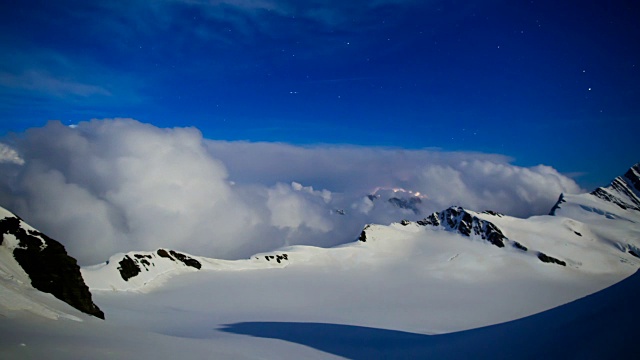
<point>51,82</point>
<point>45,83</point>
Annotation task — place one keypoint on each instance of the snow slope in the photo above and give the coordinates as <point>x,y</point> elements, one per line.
<point>404,268</point>
<point>599,326</point>
<point>35,270</point>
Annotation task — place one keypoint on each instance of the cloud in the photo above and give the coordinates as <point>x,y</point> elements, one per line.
<point>294,206</point>
<point>9,155</point>
<point>474,180</point>
<point>107,186</point>
<point>270,18</point>
<point>49,81</point>
<point>34,80</point>
<point>120,185</point>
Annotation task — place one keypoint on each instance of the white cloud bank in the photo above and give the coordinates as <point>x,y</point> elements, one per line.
<point>109,186</point>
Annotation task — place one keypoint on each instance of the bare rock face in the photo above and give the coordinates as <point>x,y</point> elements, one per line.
<point>623,191</point>
<point>279,258</point>
<point>461,221</point>
<point>363,234</point>
<point>550,260</point>
<point>556,206</point>
<point>188,261</point>
<point>133,264</point>
<point>48,265</point>
<point>128,268</point>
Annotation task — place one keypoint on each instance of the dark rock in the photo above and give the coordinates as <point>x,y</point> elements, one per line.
<point>624,191</point>
<point>459,220</point>
<point>557,205</point>
<point>186,259</point>
<point>488,231</point>
<point>405,222</point>
<point>519,246</point>
<point>577,233</point>
<point>128,268</point>
<point>493,213</point>
<point>634,253</point>
<point>163,253</point>
<point>432,220</point>
<point>548,259</point>
<point>464,225</point>
<point>633,176</point>
<point>363,234</point>
<point>49,267</point>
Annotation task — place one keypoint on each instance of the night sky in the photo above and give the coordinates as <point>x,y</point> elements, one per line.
<point>544,82</point>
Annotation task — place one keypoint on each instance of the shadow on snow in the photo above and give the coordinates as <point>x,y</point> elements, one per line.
<point>604,325</point>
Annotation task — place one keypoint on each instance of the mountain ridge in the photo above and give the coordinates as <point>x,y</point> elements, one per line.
<point>624,191</point>
<point>46,263</point>
<point>581,234</point>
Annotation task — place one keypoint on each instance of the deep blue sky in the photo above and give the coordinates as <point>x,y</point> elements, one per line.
<point>553,82</point>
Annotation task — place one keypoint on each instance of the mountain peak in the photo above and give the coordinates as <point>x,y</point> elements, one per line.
<point>624,191</point>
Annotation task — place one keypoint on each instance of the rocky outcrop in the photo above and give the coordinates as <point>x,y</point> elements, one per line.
<point>277,257</point>
<point>551,260</point>
<point>133,264</point>
<point>493,213</point>
<point>48,265</point>
<point>624,191</point>
<point>188,261</point>
<point>556,206</point>
<point>466,223</point>
<point>463,222</point>
<point>128,268</point>
<point>363,234</point>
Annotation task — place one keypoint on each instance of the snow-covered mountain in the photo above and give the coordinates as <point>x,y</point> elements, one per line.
<point>573,240</point>
<point>29,259</point>
<point>454,270</point>
<point>399,198</point>
<point>611,213</point>
<point>623,191</point>
<point>147,270</point>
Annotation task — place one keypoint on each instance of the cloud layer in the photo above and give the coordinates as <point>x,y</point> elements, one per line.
<point>109,186</point>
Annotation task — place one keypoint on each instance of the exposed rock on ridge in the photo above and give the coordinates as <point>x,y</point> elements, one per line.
<point>623,191</point>
<point>466,223</point>
<point>133,264</point>
<point>461,221</point>
<point>556,206</point>
<point>48,265</point>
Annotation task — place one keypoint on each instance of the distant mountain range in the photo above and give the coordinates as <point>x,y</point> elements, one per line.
<point>594,232</point>
<point>565,241</point>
